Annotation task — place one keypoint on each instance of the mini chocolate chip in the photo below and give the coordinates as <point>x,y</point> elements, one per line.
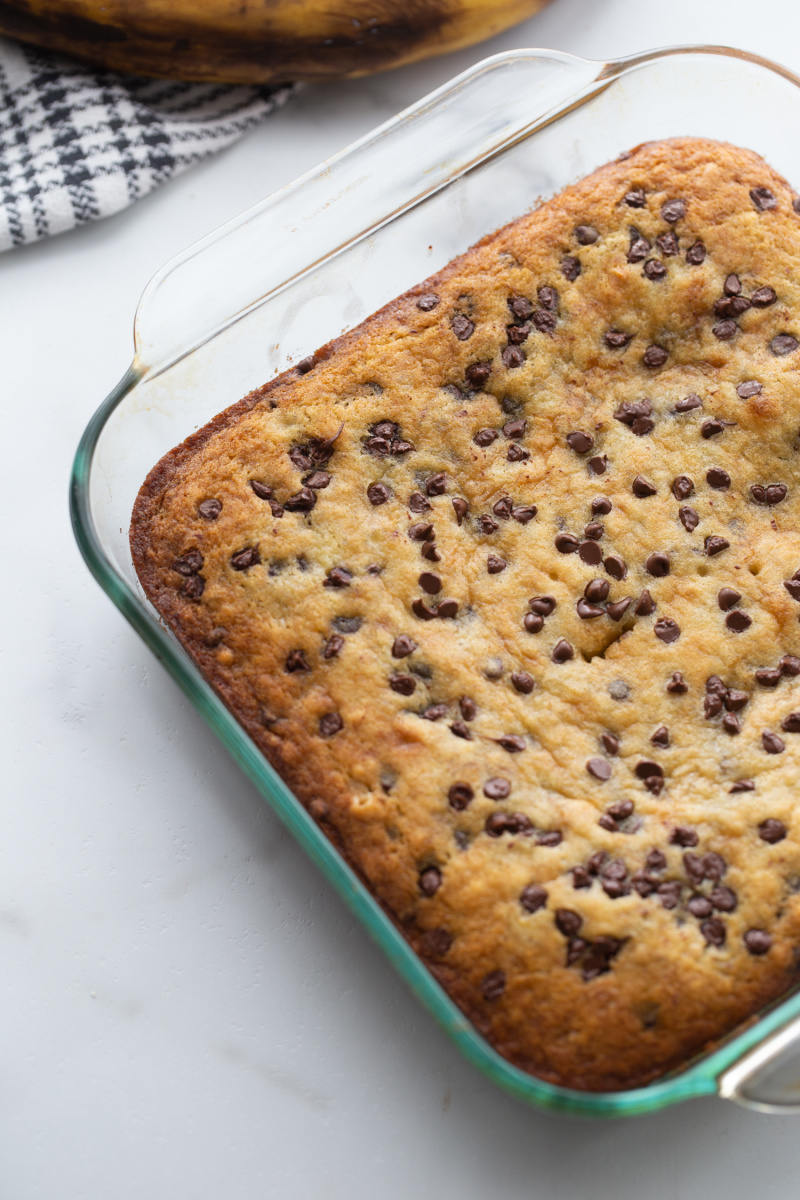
<point>677,685</point>
<point>517,334</point>
<point>193,587</point>
<point>715,545</point>
<point>772,743</point>
<point>736,700</point>
<point>673,210</point>
<point>494,564</point>
<point>487,524</point>
<point>639,248</point>
<point>667,630</point>
<point>660,737</point>
<point>688,403</point>
<point>731,723</point>
<point>723,898</point>
<point>262,490</point>
<point>548,297</point>
<point>782,344</point>
<point>724,331</point>
<point>738,621</point>
<point>435,712</point>
<point>378,493</point>
<point>430,583</point>
<point>436,942</point>
<point>712,707</point>
<point>682,487</point>
<point>620,811</point>
<point>347,624</point>
<point>460,507</point>
<point>190,563</point>
<point>601,506</point>
<point>772,830</point>
<point>742,785</point>
<point>731,306</point>
<point>635,198</point>
<point>517,454</point>
<point>332,646</point>
<point>727,597</point>
<point>469,709</point>
<point>500,823</point>
<point>436,484</point>
<point>430,880</point>
<point>696,254</point>
<point>511,742</point>
<point>210,509</point>
<point>790,665</point>
<point>587,611</point>
<point>503,507</point>
<point>768,676</point>
<point>418,503</point>
<point>478,373</point>
<point>497,788</point>
<point>242,560</point>
<point>716,686</point>
<point>296,661</point>
<point>404,685</point>
<point>668,244</point>
<point>618,609</point>
<point>757,941</point>
<point>302,501</point>
<point>462,327</point>
<point>515,428</point>
<point>587,235</point>
<point>422,531</point>
<point>461,730</point>
<point>520,307</point>
<point>549,837</point>
<point>522,682</point>
<point>642,487</point>
<point>764,296</point>
<point>748,389</point>
<point>338,577</point>
<point>580,442</point>
<point>566,543</point>
<point>700,906</point>
<point>712,427</point>
<point>543,605</point>
<point>544,321</point>
<point>732,285</point>
<point>485,437</point>
<point>713,930</point>
<point>597,590</point>
<point>616,566</point>
<point>524,513</point>
<point>330,723</point>
<point>568,921</point>
<point>562,652</point>
<point>598,464</point>
<point>570,267</point>
<point>460,796</point>
<point>420,609</point>
<point>689,518</point>
<point>793,588</point>
<point>493,985</point>
<point>532,622</point>
<point>599,768</point>
<point>533,897</point>
<point>763,198</point>
<point>776,493</point>
<point>616,340</point>
<point>513,357</point>
<point>428,301</point>
<point>717,478</point>
<point>758,494</point>
<point>682,835</point>
<point>590,553</point>
<point>653,269</point>
<point>657,564</point>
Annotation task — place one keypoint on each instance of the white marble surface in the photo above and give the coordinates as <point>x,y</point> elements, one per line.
<point>187,1009</point>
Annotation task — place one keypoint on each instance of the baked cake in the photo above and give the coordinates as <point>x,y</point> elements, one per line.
<point>505,583</point>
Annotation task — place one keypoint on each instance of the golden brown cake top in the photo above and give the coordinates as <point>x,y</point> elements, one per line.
<point>502,582</point>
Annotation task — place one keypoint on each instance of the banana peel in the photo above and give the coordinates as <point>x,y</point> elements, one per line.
<point>257,41</point>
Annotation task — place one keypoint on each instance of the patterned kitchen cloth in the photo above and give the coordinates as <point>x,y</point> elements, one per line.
<point>78,144</point>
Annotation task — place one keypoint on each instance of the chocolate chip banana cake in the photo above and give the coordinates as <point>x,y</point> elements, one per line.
<point>505,583</point>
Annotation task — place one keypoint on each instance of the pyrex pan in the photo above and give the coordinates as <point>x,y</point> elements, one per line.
<point>318,257</point>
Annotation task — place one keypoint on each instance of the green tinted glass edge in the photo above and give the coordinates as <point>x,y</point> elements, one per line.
<point>698,1080</point>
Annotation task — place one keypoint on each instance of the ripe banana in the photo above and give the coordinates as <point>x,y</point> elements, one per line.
<point>257,41</point>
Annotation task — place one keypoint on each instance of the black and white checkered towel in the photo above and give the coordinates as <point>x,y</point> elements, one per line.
<point>78,144</point>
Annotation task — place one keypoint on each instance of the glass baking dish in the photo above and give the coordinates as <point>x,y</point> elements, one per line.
<point>324,253</point>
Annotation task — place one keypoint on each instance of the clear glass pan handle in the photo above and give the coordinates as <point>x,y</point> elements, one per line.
<point>768,1077</point>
